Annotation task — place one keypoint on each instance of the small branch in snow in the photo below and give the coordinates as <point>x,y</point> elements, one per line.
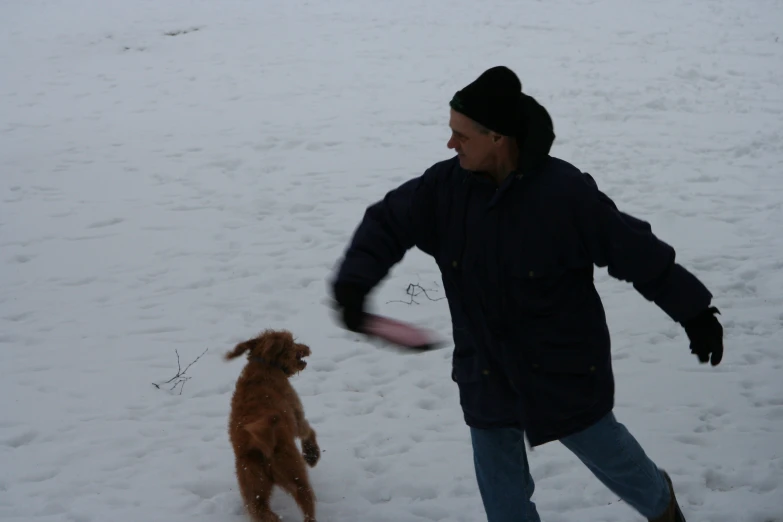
<point>180,378</point>
<point>415,291</point>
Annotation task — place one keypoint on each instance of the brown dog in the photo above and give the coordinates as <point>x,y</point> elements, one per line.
<point>266,417</point>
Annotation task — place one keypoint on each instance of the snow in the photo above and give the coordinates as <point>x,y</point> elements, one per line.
<point>181,175</point>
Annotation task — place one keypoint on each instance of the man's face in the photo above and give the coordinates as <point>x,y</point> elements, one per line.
<point>476,150</point>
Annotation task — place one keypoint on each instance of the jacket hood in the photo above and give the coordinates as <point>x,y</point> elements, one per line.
<point>536,133</point>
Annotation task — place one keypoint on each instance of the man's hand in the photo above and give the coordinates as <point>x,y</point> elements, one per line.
<point>706,336</point>
<point>350,301</point>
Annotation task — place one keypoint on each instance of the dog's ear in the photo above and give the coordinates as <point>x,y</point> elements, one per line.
<point>240,349</point>
<point>263,434</point>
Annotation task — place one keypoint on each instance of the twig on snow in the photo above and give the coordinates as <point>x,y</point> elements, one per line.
<point>412,292</point>
<point>180,378</point>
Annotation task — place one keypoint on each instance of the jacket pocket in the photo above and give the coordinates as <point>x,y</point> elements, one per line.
<point>533,285</point>
<point>565,381</point>
<point>465,369</point>
<point>552,302</point>
<point>485,395</point>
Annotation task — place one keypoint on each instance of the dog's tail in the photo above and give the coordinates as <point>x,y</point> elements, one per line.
<point>265,432</point>
<point>239,350</point>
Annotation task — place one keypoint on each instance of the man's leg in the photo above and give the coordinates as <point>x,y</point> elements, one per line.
<point>503,475</point>
<point>616,459</point>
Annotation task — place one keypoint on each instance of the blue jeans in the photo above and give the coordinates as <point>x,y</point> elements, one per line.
<point>606,448</point>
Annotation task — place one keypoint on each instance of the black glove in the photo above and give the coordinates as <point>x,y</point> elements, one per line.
<point>350,301</point>
<point>706,336</point>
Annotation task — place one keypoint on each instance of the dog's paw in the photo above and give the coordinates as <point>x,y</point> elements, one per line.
<point>311,452</point>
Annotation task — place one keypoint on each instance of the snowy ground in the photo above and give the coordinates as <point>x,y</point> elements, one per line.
<point>181,175</point>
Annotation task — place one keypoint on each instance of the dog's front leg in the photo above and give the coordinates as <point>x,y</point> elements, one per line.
<point>310,449</point>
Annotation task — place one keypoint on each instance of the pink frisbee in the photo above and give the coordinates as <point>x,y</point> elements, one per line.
<point>400,333</point>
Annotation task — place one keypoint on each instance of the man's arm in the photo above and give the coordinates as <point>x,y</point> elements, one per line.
<point>631,252</point>
<point>404,218</point>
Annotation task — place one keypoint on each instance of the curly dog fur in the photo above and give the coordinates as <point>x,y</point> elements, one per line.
<point>266,418</point>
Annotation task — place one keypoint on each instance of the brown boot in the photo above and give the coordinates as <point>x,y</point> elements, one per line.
<point>672,513</point>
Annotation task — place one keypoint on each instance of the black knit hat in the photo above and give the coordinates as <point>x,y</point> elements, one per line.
<point>492,100</point>
<point>496,101</point>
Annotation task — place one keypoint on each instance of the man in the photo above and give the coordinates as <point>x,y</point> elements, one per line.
<point>516,234</point>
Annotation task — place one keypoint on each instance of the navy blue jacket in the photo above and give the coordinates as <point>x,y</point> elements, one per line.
<point>531,342</point>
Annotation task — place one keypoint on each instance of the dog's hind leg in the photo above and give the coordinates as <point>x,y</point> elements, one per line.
<point>256,486</point>
<point>290,473</point>
<point>263,514</point>
<point>300,489</point>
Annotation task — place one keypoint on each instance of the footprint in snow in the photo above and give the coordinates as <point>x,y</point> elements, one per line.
<point>360,409</point>
<point>428,404</point>
<point>391,414</point>
<point>462,490</point>
<point>106,223</point>
<point>443,391</point>
<point>322,366</point>
<point>21,258</point>
<point>551,469</point>
<point>377,467</point>
<point>22,439</point>
<point>693,440</point>
<point>301,208</point>
<point>430,512</point>
<point>206,489</point>
<point>39,475</point>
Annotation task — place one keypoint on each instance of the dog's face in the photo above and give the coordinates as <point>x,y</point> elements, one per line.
<point>276,348</point>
